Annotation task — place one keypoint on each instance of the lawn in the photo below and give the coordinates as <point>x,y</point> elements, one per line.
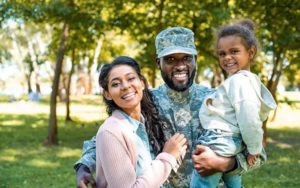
<point>25,162</point>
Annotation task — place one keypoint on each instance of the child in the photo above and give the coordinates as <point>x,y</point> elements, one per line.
<point>232,116</point>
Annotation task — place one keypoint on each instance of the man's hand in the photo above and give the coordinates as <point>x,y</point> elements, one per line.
<point>84,177</point>
<point>206,162</point>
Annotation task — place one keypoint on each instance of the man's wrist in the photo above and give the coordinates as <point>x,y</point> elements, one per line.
<point>232,167</point>
<point>226,164</point>
<point>80,165</point>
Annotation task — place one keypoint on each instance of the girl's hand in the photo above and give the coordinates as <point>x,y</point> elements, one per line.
<point>176,146</point>
<point>251,159</point>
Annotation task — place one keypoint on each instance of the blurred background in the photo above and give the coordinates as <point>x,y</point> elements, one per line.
<point>51,52</point>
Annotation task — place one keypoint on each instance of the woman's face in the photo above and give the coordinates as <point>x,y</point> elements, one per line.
<point>125,88</point>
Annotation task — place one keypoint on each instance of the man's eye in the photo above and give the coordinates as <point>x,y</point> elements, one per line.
<point>169,59</point>
<point>188,58</point>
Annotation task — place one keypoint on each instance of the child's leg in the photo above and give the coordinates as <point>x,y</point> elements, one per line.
<point>232,181</point>
<point>198,181</point>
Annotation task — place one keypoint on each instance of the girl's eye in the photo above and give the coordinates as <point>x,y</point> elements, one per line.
<point>221,54</point>
<point>235,51</point>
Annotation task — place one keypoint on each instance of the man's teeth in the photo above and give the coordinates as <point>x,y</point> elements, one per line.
<point>180,75</point>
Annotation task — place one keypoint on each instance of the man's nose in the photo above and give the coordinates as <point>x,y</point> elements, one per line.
<point>180,64</point>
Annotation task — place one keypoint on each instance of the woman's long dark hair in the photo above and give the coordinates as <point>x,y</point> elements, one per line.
<point>153,124</point>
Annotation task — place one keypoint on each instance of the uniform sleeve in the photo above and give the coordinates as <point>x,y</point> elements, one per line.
<point>242,165</point>
<point>119,170</point>
<point>88,157</point>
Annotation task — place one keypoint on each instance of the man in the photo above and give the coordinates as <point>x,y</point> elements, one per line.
<point>178,101</point>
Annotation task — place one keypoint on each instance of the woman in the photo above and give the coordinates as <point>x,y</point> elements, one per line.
<point>124,157</point>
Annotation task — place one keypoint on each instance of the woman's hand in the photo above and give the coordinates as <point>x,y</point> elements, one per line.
<point>176,146</point>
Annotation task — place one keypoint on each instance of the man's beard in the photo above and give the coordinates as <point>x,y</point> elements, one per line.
<point>181,87</point>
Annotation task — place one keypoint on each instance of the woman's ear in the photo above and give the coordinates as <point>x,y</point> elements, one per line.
<point>143,84</point>
<point>107,95</point>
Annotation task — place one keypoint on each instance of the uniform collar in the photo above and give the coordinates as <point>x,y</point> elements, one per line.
<point>180,96</point>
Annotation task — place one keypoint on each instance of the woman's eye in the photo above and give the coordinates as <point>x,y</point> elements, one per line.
<point>131,78</point>
<point>115,84</point>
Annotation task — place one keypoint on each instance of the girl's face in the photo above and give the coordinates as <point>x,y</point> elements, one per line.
<point>125,88</point>
<point>233,54</point>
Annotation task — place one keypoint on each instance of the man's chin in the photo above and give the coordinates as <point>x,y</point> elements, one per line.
<point>177,87</point>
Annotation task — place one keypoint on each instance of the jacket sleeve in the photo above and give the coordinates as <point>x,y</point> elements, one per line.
<point>118,169</point>
<point>247,104</point>
<point>88,157</point>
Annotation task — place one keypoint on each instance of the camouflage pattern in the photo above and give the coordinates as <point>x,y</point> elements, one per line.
<point>180,112</point>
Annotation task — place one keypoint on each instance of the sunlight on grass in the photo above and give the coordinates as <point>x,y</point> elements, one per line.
<point>11,152</point>
<point>9,155</point>
<point>42,163</point>
<point>284,159</point>
<point>284,145</point>
<point>7,158</point>
<point>66,152</point>
<point>12,123</point>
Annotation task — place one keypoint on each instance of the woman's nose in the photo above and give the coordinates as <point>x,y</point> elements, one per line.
<point>125,85</point>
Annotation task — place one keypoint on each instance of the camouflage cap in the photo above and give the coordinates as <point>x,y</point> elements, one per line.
<point>175,40</point>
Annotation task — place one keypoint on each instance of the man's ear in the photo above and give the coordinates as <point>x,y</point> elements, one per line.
<point>107,95</point>
<point>158,63</point>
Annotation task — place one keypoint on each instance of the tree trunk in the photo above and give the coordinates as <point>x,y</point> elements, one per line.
<point>272,86</point>
<point>29,90</point>
<point>68,117</point>
<point>153,76</point>
<point>52,128</point>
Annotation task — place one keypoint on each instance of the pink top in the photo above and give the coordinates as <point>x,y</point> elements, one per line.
<point>116,158</point>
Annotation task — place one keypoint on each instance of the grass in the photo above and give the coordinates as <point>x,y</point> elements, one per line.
<point>25,162</point>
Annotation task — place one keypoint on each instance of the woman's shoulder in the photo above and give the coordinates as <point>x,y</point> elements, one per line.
<point>114,124</point>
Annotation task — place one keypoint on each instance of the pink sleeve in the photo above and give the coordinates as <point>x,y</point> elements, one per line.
<point>119,170</point>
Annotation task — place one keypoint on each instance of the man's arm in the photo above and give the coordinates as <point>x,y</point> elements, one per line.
<point>206,162</point>
<point>86,165</point>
